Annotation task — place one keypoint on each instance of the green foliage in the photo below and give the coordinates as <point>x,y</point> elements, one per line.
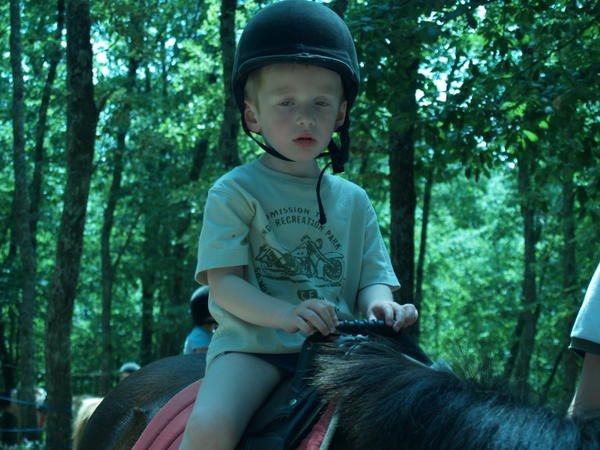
<point>473,272</point>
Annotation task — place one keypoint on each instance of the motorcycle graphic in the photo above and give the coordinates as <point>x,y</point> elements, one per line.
<point>302,263</point>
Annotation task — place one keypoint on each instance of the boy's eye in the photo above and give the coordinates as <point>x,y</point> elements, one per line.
<point>322,103</point>
<point>286,103</point>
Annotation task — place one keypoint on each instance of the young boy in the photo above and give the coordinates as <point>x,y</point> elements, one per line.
<point>277,267</point>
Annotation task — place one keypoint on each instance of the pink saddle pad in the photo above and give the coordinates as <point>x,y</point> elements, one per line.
<point>165,430</point>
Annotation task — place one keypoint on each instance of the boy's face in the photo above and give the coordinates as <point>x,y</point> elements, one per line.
<point>296,108</point>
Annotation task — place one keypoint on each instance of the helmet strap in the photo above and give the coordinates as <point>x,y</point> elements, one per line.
<point>322,216</point>
<point>338,155</point>
<point>267,148</point>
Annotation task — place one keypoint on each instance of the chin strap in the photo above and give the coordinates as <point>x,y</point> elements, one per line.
<point>322,216</point>
<point>269,149</point>
<point>338,155</point>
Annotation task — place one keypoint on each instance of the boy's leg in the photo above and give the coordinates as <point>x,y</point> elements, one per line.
<point>235,385</point>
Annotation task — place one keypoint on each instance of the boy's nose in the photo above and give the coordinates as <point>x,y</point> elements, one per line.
<point>304,117</point>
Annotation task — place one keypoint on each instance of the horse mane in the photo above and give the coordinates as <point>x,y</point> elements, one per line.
<point>389,401</point>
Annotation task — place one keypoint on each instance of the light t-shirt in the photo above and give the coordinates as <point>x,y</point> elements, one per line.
<point>268,221</point>
<point>585,336</point>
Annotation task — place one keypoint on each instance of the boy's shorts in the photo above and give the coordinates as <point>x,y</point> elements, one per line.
<point>286,362</point>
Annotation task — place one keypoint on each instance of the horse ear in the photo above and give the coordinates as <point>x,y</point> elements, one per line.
<point>440,364</point>
<point>413,362</point>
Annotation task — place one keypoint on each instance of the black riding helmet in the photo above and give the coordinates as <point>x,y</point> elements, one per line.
<point>305,32</point>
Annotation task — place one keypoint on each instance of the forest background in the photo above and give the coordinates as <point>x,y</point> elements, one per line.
<point>475,135</point>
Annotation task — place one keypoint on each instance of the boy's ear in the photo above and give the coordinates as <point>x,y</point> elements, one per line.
<point>341,116</point>
<point>250,117</point>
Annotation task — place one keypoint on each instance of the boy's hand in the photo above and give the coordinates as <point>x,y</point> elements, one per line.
<point>310,316</point>
<point>395,315</point>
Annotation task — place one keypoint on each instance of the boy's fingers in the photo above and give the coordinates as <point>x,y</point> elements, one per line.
<point>406,315</point>
<point>303,325</point>
<point>389,314</point>
<point>333,313</point>
<point>332,316</point>
<point>326,313</point>
<point>412,314</point>
<point>400,318</point>
<point>316,321</point>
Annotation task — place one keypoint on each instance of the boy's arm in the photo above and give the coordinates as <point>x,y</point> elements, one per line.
<point>234,294</point>
<point>377,303</point>
<point>587,395</point>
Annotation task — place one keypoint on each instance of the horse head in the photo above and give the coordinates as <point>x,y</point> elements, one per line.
<point>390,401</point>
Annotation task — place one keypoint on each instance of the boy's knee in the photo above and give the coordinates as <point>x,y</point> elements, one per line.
<point>211,430</point>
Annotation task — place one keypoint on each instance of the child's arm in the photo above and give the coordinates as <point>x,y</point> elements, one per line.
<point>377,303</point>
<point>233,293</point>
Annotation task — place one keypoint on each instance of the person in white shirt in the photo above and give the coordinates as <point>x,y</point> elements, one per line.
<point>585,340</point>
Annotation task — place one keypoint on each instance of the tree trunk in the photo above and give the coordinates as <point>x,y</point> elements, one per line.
<point>514,349</point>
<point>108,268</point>
<point>7,280</point>
<point>152,273</point>
<point>227,148</point>
<point>402,181</point>
<point>81,130</point>
<point>6,361</point>
<point>148,272</point>
<point>423,242</point>
<point>6,267</point>
<point>148,282</point>
<point>570,292</point>
<point>529,308</point>
<point>175,309</point>
<point>21,227</point>
<point>550,379</point>
<point>39,152</point>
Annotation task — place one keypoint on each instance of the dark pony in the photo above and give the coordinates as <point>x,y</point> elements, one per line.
<point>121,417</point>
<point>388,401</point>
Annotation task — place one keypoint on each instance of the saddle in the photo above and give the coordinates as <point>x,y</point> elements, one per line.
<point>289,413</point>
<point>284,421</point>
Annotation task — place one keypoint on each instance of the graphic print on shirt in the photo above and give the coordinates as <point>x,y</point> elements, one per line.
<point>303,263</point>
<point>312,260</point>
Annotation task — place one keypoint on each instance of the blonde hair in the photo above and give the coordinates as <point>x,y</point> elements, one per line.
<point>85,411</point>
<point>252,85</point>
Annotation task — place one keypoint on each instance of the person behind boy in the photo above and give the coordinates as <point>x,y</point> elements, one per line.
<point>585,340</point>
<point>127,369</point>
<point>204,325</point>
<point>278,268</point>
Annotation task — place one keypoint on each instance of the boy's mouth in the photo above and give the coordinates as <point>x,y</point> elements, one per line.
<point>304,141</point>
